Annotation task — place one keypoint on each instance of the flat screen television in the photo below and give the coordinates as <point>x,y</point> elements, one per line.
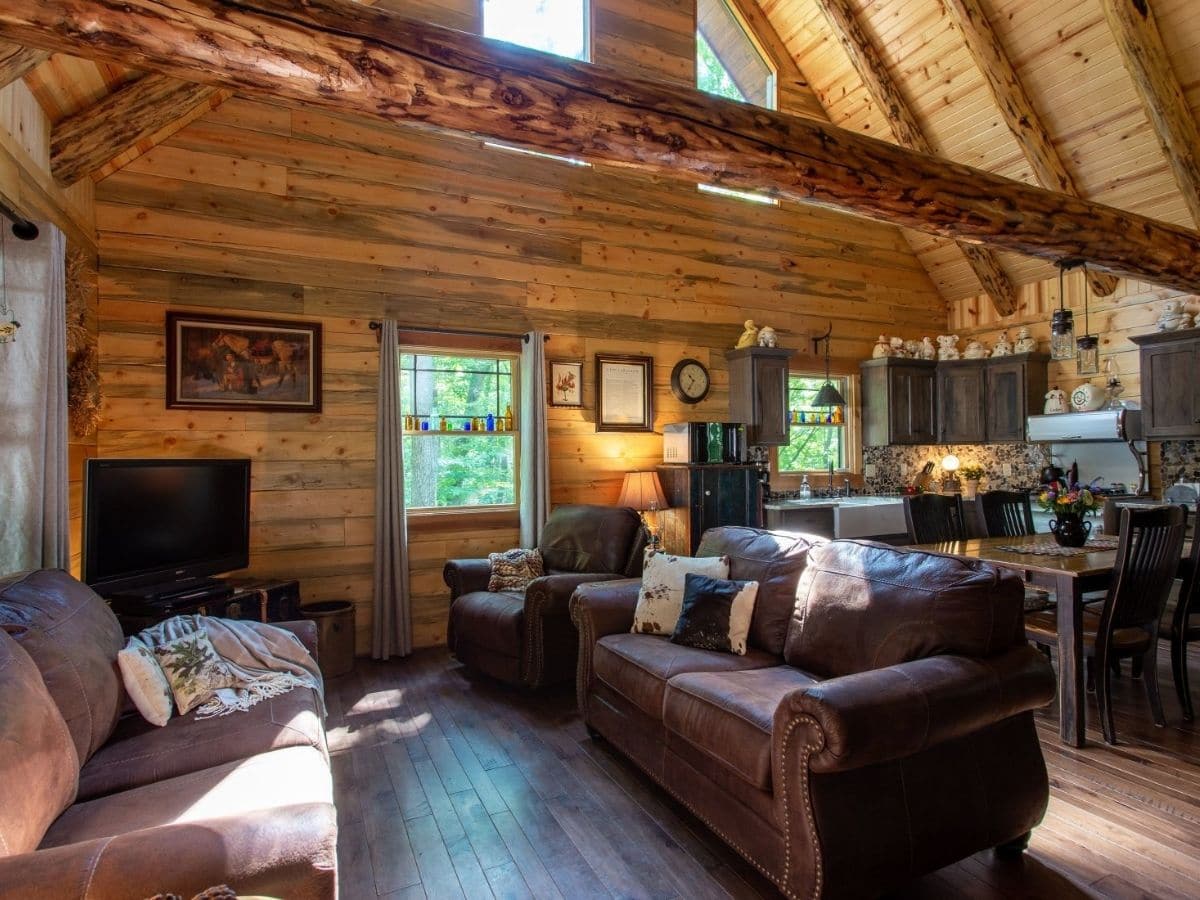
<point>164,522</point>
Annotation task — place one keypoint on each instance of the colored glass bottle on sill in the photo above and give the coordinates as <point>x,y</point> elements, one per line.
<point>491,422</point>
<point>508,418</point>
<point>444,426</point>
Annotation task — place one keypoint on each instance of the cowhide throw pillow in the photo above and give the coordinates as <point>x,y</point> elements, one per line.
<point>716,614</point>
<point>512,570</point>
<point>194,669</point>
<point>661,594</point>
<point>145,682</point>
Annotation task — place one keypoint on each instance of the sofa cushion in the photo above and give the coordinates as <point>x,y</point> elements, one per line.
<point>862,605</point>
<point>583,538</point>
<point>638,666</point>
<point>664,581</point>
<point>139,753</point>
<point>74,638</point>
<point>487,619</point>
<point>38,766</point>
<point>728,715</point>
<point>145,684</point>
<point>775,560</point>
<point>277,780</point>
<point>716,614</point>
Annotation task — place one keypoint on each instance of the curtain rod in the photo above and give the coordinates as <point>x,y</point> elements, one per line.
<point>375,326</point>
<point>21,227</point>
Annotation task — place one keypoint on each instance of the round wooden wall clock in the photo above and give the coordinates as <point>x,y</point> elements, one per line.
<point>690,381</point>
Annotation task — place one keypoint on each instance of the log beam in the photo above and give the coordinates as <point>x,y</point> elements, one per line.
<point>971,22</point>
<point>16,60</point>
<point>85,142</point>
<point>358,60</point>
<point>908,133</point>
<point>1141,48</point>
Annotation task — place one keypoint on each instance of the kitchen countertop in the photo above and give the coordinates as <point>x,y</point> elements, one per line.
<point>831,502</point>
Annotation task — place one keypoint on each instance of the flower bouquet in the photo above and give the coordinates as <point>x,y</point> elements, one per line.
<point>1069,503</point>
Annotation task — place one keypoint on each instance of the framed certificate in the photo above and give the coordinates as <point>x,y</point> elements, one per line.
<point>624,393</point>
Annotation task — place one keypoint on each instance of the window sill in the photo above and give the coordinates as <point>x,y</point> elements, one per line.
<point>477,518</point>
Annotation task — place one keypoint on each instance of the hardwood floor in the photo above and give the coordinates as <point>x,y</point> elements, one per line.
<point>450,785</point>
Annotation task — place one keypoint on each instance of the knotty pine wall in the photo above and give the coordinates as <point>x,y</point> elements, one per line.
<point>259,209</point>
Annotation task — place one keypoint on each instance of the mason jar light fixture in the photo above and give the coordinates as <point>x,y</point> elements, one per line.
<point>1088,344</point>
<point>1062,323</point>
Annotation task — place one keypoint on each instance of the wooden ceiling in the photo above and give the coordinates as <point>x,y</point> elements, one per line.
<point>1063,53</point>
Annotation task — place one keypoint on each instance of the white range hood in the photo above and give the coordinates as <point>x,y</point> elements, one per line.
<point>1122,425</point>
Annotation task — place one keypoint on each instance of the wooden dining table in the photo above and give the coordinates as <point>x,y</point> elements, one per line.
<point>1070,577</point>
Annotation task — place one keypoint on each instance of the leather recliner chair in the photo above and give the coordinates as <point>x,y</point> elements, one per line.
<point>528,639</point>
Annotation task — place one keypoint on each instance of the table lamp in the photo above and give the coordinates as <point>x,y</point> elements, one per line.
<point>643,491</point>
<point>950,472</point>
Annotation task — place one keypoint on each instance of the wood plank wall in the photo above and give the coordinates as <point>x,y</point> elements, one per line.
<point>260,209</point>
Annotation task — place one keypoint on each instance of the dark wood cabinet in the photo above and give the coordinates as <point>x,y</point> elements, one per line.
<point>758,394</point>
<point>1170,369</point>
<point>1014,387</point>
<point>704,497</point>
<point>899,401</point>
<point>962,386</point>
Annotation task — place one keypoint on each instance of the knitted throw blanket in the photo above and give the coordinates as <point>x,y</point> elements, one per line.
<point>266,661</point>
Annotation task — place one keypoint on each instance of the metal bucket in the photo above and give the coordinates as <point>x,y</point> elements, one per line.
<point>335,635</point>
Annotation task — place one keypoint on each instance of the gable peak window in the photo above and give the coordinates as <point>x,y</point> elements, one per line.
<point>552,26</point>
<point>729,62</point>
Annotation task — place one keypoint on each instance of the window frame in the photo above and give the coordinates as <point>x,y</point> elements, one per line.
<point>482,349</point>
<point>735,11</point>
<point>851,435</point>
<point>589,28</point>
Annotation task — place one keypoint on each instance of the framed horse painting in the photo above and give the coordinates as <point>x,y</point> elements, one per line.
<point>227,362</point>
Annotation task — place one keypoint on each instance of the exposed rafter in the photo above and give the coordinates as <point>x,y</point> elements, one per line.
<point>85,142</point>
<point>908,132</point>
<point>16,60</point>
<point>1015,106</point>
<point>358,60</point>
<point>1141,47</point>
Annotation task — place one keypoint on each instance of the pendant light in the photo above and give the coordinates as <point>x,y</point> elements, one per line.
<point>1088,360</point>
<point>828,396</point>
<point>1062,323</point>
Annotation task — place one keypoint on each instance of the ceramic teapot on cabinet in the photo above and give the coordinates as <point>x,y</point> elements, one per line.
<point>1056,402</point>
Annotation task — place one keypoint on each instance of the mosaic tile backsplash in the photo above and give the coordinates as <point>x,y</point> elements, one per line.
<point>896,467</point>
<point>1180,461</point>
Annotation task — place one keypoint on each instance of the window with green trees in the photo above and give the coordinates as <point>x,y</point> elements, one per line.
<point>553,26</point>
<point>814,442</point>
<point>466,464</point>
<point>728,61</point>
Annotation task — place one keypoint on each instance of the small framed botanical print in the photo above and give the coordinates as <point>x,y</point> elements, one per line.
<point>565,383</point>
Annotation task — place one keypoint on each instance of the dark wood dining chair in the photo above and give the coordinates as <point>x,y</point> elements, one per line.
<point>1006,513</point>
<point>1127,625</point>
<point>1185,629</point>
<point>934,518</point>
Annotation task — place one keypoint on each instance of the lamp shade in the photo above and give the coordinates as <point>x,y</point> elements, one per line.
<point>949,463</point>
<point>642,491</point>
<point>829,395</point>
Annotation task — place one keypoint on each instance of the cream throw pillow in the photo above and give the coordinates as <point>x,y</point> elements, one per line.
<point>194,669</point>
<point>661,596</point>
<point>145,682</point>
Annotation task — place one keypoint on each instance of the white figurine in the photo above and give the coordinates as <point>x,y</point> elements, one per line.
<point>897,345</point>
<point>749,337</point>
<point>975,350</point>
<point>882,348</point>
<point>912,349</point>
<point>766,336</point>
<point>1056,402</point>
<point>927,350</point>
<point>1002,347</point>
<point>947,346</point>
<point>1172,315</point>
<point>1025,341</point>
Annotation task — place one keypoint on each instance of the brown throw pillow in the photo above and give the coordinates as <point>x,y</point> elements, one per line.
<point>512,570</point>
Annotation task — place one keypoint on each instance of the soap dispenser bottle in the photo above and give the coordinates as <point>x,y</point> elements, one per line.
<point>805,489</point>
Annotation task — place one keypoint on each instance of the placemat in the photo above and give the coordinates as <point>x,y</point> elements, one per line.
<point>1049,547</point>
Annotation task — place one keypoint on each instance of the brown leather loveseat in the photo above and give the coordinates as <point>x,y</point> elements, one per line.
<point>527,638</point>
<point>95,804</point>
<point>879,726</point>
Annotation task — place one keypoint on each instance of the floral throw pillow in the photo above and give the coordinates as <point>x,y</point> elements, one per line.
<point>194,669</point>
<point>512,570</point>
<point>661,596</point>
<point>716,614</point>
<point>145,682</point>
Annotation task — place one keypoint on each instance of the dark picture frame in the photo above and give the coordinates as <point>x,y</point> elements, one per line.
<point>624,392</point>
<point>242,363</point>
<point>564,382</point>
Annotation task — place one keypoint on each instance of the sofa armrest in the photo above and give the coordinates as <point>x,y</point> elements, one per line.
<point>305,630</point>
<point>463,576</point>
<point>605,607</point>
<point>891,713</point>
<point>550,595</point>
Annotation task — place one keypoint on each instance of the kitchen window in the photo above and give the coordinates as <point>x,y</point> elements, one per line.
<point>452,458</point>
<point>815,441</point>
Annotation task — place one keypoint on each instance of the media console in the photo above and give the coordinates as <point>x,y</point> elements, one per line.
<point>264,600</point>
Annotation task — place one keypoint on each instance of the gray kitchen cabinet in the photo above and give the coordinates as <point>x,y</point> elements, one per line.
<point>758,394</point>
<point>899,401</point>
<point>1015,387</point>
<point>1170,368</point>
<point>962,388</point>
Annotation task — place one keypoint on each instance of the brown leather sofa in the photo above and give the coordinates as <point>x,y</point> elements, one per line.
<point>528,639</point>
<point>99,804</point>
<point>879,726</point>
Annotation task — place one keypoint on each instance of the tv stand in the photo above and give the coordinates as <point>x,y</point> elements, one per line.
<point>264,600</point>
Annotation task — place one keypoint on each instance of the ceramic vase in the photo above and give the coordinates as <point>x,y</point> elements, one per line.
<point>970,488</point>
<point>1070,530</point>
